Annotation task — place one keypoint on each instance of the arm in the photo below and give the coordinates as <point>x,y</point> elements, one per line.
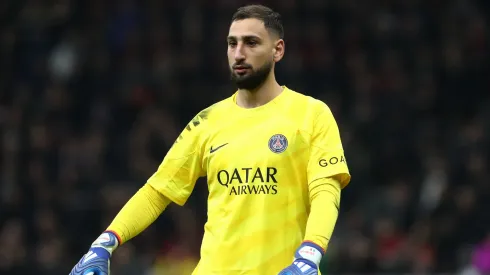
<point>327,174</point>
<point>325,203</point>
<point>138,213</point>
<point>173,181</point>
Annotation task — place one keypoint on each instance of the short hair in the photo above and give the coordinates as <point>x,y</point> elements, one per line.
<point>272,20</point>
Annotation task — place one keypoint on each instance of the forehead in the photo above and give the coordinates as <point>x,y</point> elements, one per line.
<point>248,27</point>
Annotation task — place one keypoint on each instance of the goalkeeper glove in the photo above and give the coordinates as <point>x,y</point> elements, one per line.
<point>306,260</point>
<point>97,259</point>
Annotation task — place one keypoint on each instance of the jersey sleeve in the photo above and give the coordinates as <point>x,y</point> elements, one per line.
<point>327,157</point>
<point>182,166</point>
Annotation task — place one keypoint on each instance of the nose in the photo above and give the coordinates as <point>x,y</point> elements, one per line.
<point>239,55</point>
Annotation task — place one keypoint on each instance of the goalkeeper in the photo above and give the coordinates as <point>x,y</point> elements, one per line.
<point>273,159</point>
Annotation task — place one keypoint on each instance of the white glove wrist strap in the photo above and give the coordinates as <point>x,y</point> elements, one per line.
<point>107,241</point>
<point>310,253</point>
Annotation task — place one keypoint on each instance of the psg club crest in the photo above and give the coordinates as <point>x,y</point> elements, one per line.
<point>278,143</point>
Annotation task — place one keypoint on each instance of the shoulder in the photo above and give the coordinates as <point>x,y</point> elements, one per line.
<point>314,107</point>
<point>196,128</point>
<point>211,114</point>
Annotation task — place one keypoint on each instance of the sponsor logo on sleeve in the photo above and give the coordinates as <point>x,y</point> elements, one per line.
<point>325,162</point>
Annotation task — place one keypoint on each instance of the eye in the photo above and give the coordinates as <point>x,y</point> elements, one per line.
<point>252,43</point>
<point>232,44</point>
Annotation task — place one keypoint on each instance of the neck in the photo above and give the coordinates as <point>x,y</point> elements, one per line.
<point>259,96</point>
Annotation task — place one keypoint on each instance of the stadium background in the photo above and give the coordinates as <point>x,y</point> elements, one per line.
<point>93,93</point>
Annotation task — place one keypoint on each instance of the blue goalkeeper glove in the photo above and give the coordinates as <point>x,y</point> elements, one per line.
<point>97,259</point>
<point>306,260</point>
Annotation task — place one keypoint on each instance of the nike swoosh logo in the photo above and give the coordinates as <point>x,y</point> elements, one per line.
<point>212,150</point>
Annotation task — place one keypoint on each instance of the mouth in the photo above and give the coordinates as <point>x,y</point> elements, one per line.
<point>240,69</point>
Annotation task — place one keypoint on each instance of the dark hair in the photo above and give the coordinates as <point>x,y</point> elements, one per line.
<point>272,20</point>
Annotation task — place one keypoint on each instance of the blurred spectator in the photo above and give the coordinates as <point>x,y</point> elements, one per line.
<point>93,94</point>
<point>481,256</point>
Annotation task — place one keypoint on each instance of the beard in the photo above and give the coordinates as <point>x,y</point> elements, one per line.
<point>254,79</point>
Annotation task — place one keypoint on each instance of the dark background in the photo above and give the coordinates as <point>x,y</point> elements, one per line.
<point>93,93</point>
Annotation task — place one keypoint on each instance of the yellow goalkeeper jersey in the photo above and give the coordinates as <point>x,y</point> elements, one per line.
<point>258,163</point>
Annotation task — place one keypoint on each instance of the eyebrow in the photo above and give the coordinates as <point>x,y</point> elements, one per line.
<point>245,37</point>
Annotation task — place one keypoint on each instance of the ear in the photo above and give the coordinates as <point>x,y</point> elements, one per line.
<point>278,51</point>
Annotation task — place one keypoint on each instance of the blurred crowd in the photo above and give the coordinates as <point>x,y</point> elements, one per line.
<point>94,92</point>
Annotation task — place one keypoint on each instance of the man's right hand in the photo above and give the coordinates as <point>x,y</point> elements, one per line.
<point>97,259</point>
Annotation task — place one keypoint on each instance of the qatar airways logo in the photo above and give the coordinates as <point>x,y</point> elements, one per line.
<point>249,181</point>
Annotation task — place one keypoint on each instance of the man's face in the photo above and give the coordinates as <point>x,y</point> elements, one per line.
<point>251,52</point>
